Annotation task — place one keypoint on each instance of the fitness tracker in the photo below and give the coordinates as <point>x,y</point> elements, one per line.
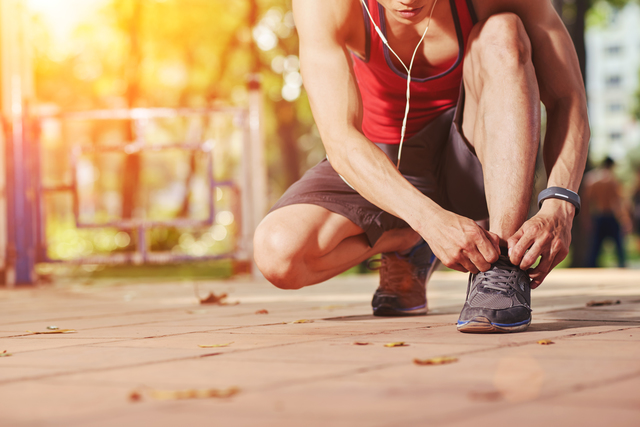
<point>560,193</point>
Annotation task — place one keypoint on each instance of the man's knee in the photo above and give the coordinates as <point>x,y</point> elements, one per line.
<point>276,256</point>
<point>501,43</point>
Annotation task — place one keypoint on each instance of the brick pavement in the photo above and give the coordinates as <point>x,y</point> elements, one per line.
<point>137,336</point>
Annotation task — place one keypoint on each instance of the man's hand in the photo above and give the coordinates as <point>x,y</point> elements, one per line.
<point>547,234</point>
<point>461,244</point>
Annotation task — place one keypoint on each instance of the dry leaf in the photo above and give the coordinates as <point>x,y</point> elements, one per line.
<point>217,299</point>
<point>57,331</point>
<point>135,396</point>
<point>436,361</point>
<point>5,354</point>
<point>197,311</point>
<point>545,342</point>
<point>601,303</point>
<point>361,343</point>
<point>193,394</point>
<point>303,321</point>
<point>396,344</point>
<point>215,345</point>
<point>263,311</point>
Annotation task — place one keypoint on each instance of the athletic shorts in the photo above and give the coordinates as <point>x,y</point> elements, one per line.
<point>438,161</point>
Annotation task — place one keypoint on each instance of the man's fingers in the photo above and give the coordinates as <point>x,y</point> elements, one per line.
<point>458,267</point>
<point>513,240</point>
<point>524,243</point>
<point>489,248</point>
<point>532,255</point>
<point>479,262</point>
<point>545,266</point>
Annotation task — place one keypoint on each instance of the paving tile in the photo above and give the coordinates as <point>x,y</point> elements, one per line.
<point>40,402</point>
<point>140,334</point>
<point>550,414</point>
<point>44,342</point>
<point>60,361</point>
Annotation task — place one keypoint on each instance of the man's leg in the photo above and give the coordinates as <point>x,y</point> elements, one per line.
<point>502,122</point>
<point>303,244</point>
<point>502,117</point>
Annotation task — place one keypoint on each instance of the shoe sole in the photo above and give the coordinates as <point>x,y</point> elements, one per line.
<point>482,325</point>
<point>386,311</point>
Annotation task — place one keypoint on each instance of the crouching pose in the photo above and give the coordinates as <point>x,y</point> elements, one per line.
<point>413,187</point>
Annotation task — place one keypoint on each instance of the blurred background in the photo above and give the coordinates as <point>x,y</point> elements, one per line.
<point>149,137</point>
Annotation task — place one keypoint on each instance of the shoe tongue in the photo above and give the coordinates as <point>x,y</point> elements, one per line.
<point>504,262</point>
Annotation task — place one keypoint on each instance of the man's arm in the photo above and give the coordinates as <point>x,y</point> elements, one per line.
<point>565,147</point>
<point>324,27</point>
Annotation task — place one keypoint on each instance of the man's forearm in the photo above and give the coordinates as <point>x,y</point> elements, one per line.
<point>566,143</point>
<point>375,177</point>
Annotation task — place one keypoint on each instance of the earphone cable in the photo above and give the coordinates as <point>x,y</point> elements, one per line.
<point>384,40</point>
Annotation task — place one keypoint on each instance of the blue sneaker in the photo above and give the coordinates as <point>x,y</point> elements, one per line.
<point>498,300</point>
<point>403,280</point>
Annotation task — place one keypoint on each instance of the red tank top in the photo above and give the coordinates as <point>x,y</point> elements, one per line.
<point>383,87</point>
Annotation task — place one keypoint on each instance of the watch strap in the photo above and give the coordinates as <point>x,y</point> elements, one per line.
<point>560,193</point>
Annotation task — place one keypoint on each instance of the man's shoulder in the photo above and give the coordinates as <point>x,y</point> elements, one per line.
<point>326,17</point>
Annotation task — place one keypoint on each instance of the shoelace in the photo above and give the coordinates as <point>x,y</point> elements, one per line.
<point>502,278</point>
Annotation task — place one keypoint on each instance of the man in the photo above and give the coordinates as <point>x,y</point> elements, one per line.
<point>473,133</point>
<point>608,210</point>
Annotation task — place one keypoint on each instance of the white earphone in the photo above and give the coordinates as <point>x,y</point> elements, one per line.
<point>408,69</point>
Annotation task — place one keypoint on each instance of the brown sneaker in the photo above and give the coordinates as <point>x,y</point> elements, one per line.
<point>403,280</point>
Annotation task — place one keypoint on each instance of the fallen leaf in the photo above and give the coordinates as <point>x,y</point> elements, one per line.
<point>135,396</point>
<point>545,342</point>
<point>217,299</point>
<point>303,321</point>
<point>57,331</point>
<point>443,360</point>
<point>193,393</point>
<point>601,303</point>
<point>263,311</point>
<point>197,311</point>
<point>215,345</point>
<point>361,343</point>
<point>396,344</point>
<point>5,354</point>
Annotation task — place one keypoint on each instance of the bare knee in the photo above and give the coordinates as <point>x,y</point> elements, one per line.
<point>277,257</point>
<point>500,44</point>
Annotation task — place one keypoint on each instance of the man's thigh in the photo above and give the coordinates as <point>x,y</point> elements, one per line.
<point>306,229</point>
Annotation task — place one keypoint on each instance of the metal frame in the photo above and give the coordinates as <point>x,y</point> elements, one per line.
<point>242,249</point>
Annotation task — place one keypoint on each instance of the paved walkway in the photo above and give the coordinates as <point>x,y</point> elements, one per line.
<point>137,342</point>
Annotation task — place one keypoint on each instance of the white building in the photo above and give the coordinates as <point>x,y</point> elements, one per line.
<point>613,78</point>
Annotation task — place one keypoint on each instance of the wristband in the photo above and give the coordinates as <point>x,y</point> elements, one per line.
<point>560,193</point>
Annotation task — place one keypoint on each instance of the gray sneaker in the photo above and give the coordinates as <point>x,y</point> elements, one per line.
<point>403,279</point>
<point>498,300</point>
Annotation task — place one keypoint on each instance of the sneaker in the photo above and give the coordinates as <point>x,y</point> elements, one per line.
<point>403,280</point>
<point>498,300</point>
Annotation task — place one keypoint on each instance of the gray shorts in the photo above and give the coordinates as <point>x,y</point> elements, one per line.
<point>438,161</point>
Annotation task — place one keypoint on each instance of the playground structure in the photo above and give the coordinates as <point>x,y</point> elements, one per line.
<point>23,213</point>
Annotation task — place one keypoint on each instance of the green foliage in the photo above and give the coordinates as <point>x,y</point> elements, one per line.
<point>600,11</point>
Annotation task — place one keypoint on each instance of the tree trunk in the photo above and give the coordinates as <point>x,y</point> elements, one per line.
<point>575,22</point>
<point>132,163</point>
<point>288,141</point>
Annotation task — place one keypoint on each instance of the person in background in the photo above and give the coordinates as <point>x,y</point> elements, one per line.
<point>610,218</point>
<point>635,209</point>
